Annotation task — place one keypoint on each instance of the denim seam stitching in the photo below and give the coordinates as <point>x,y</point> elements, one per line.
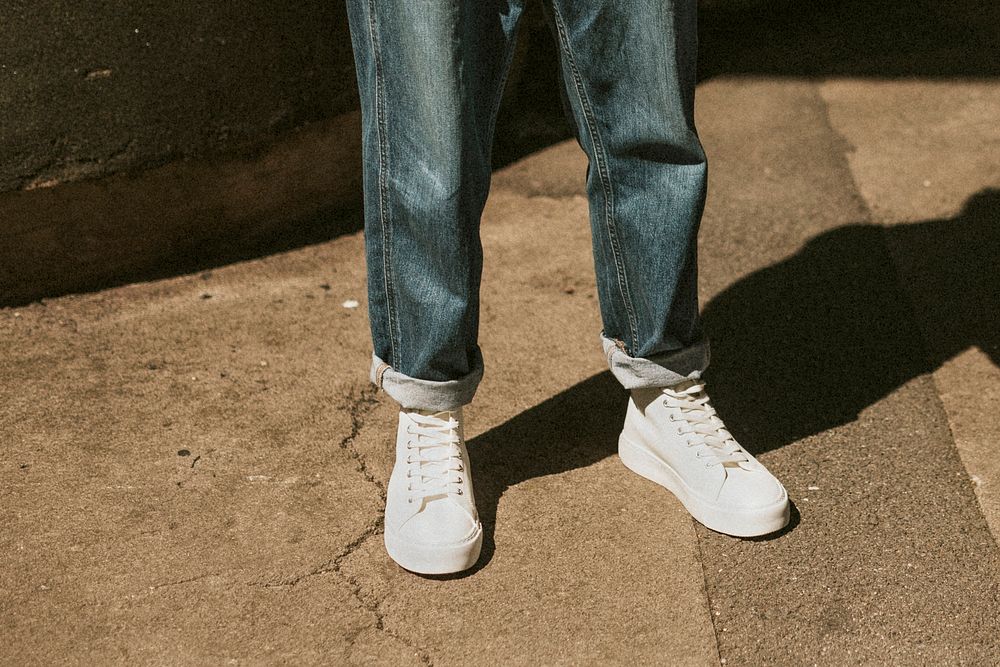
<point>602,169</point>
<point>383,161</point>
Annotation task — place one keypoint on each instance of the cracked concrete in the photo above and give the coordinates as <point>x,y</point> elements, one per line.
<point>100,503</point>
<point>264,382</point>
<point>362,405</point>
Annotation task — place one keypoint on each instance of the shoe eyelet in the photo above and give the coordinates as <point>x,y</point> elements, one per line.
<point>460,492</point>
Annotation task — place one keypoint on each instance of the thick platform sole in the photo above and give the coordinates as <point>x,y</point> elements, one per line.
<point>434,559</point>
<point>739,523</point>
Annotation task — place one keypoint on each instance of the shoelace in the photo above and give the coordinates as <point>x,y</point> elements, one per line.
<point>704,428</point>
<point>434,456</point>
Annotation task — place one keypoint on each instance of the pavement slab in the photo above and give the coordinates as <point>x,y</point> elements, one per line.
<point>926,158</point>
<point>819,367</point>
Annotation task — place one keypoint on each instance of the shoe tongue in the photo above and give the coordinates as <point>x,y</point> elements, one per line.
<point>424,412</point>
<point>684,385</point>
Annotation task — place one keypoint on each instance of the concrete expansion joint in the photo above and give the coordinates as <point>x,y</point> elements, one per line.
<point>706,588</point>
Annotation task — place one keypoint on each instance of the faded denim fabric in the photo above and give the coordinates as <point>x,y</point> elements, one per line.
<point>430,76</point>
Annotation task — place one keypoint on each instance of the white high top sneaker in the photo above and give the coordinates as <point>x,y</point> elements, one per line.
<point>673,437</point>
<point>431,523</point>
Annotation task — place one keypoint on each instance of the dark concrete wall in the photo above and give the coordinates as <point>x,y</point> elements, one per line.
<point>101,86</point>
<point>142,139</point>
<point>95,87</point>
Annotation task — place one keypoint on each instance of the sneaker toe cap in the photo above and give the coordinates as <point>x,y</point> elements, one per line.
<point>439,522</point>
<point>747,489</point>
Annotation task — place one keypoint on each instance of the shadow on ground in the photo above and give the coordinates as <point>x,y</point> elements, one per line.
<point>573,429</point>
<point>798,348</point>
<point>807,344</point>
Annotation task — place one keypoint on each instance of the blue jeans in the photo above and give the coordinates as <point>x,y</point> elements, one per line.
<point>430,76</point>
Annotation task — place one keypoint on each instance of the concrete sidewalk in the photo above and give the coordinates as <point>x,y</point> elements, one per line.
<point>195,467</point>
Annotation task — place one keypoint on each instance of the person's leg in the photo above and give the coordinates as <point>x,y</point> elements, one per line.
<point>430,76</point>
<point>629,69</point>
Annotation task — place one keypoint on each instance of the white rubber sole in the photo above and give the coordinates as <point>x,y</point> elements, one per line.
<point>435,559</point>
<point>739,523</point>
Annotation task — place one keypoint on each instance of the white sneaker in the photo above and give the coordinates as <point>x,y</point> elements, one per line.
<point>673,437</point>
<point>431,523</point>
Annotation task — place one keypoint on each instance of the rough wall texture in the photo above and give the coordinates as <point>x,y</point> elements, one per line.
<point>139,140</point>
<point>92,88</point>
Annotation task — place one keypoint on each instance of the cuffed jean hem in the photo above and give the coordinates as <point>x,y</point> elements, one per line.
<point>411,392</point>
<point>658,370</point>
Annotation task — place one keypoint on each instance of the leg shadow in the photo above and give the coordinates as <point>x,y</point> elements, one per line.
<point>798,347</point>
<point>806,344</point>
<point>573,429</point>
